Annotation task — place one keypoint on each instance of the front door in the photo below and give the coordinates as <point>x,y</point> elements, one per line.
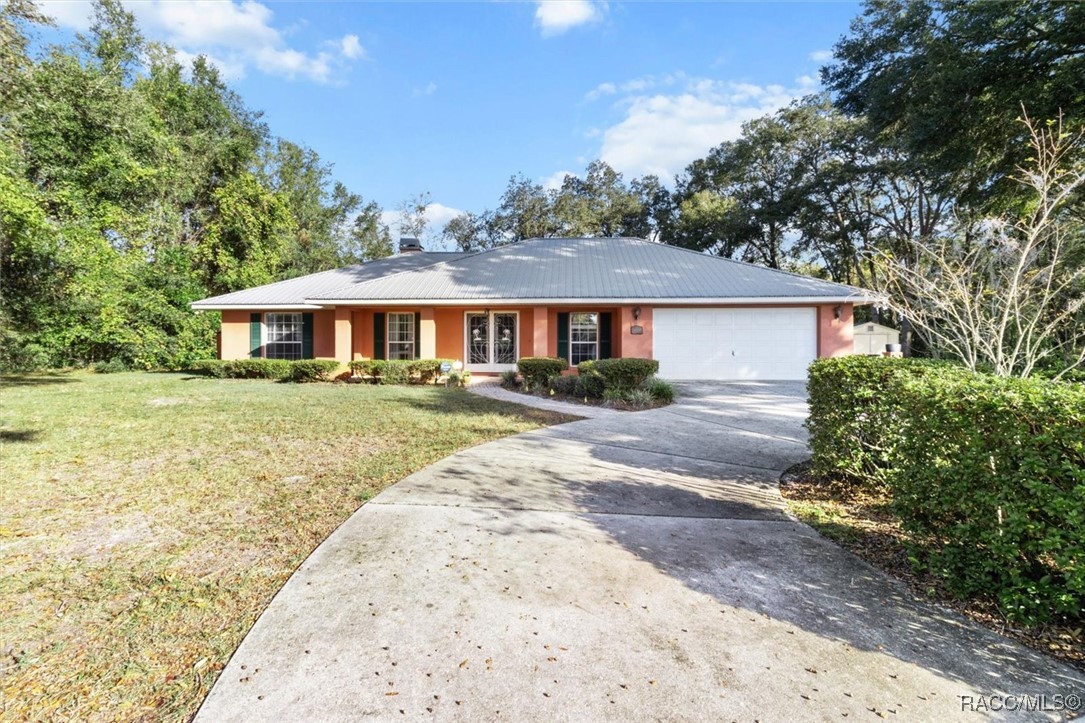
<point>491,340</point>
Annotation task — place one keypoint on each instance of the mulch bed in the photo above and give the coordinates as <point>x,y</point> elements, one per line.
<point>861,521</point>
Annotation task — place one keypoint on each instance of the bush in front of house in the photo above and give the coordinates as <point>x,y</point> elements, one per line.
<point>989,477</point>
<point>564,385</point>
<point>987,474</point>
<point>537,371</point>
<point>854,421</point>
<point>659,390</point>
<point>510,378</point>
<point>399,371</point>
<point>624,374</point>
<point>312,370</point>
<point>242,368</point>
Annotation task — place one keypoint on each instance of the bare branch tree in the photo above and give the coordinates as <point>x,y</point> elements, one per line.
<point>1001,292</point>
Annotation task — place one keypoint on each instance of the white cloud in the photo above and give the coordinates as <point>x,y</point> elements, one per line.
<point>554,180</point>
<point>236,34</point>
<point>821,56</point>
<point>229,70</point>
<point>351,47</point>
<point>554,17</point>
<point>600,90</point>
<point>437,215</point>
<point>662,133</point>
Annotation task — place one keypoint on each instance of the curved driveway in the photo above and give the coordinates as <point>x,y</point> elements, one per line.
<point>628,567</point>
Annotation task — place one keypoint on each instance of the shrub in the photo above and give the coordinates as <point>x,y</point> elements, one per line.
<point>639,398</point>
<point>457,379</point>
<point>658,389</point>
<point>625,374</point>
<point>242,368</point>
<point>110,367</point>
<point>589,383</point>
<point>564,385</point>
<point>399,371</point>
<point>312,370</point>
<point>509,378</point>
<point>854,421</point>
<point>614,397</point>
<point>537,371</point>
<point>989,476</point>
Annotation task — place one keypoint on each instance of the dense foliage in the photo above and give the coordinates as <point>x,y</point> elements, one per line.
<point>399,371</point>
<point>537,371</point>
<point>623,374</point>
<point>986,473</point>
<point>242,368</point>
<point>131,185</point>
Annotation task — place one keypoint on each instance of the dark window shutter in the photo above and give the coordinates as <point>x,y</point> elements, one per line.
<point>378,335</point>
<point>604,335</point>
<point>307,336</point>
<point>563,335</point>
<point>254,336</point>
<point>417,335</point>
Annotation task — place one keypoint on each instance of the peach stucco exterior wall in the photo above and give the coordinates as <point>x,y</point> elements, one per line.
<point>324,334</point>
<point>627,344</point>
<point>835,336</point>
<point>235,335</point>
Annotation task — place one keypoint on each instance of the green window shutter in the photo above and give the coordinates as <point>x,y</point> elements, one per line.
<point>307,336</point>
<point>255,336</point>
<point>378,335</point>
<point>604,335</point>
<point>563,335</point>
<point>417,335</point>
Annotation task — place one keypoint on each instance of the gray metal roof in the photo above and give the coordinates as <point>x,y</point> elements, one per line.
<point>294,292</point>
<point>589,268</point>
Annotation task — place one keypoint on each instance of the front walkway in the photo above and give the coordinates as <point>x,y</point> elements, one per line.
<point>636,566</point>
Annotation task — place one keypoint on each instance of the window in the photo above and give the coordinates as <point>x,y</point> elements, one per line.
<point>284,332</point>
<point>583,337</point>
<point>401,336</point>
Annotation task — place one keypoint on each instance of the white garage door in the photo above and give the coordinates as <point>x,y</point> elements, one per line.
<point>734,343</point>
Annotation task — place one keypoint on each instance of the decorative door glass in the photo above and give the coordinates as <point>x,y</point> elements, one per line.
<point>478,339</point>
<point>504,338</point>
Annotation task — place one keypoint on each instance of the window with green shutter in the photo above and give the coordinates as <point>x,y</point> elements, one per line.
<point>563,335</point>
<point>256,333</point>
<point>378,335</point>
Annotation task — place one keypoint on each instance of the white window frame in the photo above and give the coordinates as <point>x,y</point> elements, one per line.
<point>490,314</point>
<point>266,331</point>
<point>595,344</point>
<point>388,342</point>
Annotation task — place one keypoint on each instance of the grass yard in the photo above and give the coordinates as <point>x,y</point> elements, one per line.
<point>148,519</point>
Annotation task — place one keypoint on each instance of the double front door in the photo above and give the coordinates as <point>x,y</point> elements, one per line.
<point>491,340</point>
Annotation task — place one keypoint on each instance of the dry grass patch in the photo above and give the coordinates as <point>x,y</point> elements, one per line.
<point>147,519</point>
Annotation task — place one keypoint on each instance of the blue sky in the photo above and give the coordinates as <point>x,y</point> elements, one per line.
<point>453,98</point>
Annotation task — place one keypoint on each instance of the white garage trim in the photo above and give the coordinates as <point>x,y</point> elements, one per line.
<point>734,343</point>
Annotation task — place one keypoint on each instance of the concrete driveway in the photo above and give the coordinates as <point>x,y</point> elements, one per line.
<point>632,566</point>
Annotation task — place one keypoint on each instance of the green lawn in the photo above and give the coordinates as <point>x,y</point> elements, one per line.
<point>147,519</point>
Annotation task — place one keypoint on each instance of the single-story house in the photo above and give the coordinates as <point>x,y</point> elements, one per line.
<point>871,338</point>
<point>701,316</point>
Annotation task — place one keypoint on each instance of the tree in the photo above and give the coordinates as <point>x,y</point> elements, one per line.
<point>1005,292</point>
<point>947,79</point>
<point>369,236</point>
<point>412,215</point>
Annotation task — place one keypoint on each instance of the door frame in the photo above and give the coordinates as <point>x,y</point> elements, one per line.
<point>489,313</point>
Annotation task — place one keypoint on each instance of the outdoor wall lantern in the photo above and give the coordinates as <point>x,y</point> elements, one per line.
<point>636,312</point>
<point>838,311</point>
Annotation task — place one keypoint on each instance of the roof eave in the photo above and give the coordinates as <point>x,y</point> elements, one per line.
<point>857,300</point>
<point>212,306</point>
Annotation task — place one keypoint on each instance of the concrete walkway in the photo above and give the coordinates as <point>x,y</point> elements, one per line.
<point>629,567</point>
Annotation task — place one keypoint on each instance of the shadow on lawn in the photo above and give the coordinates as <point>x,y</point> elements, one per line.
<point>20,435</point>
<point>34,380</point>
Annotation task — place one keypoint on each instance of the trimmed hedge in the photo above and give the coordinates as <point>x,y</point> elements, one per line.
<point>312,370</point>
<point>624,374</point>
<point>537,371</point>
<point>399,371</point>
<point>987,474</point>
<point>854,423</point>
<point>242,368</point>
